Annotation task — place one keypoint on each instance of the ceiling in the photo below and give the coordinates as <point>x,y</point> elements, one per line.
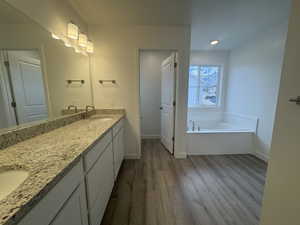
<point>9,15</point>
<point>230,21</point>
<point>233,21</point>
<point>134,12</point>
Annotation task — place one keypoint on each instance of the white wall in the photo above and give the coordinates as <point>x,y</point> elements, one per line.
<point>253,82</point>
<point>150,91</point>
<point>117,57</point>
<point>53,15</point>
<point>210,58</point>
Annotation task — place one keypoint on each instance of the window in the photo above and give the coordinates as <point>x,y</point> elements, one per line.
<point>204,86</point>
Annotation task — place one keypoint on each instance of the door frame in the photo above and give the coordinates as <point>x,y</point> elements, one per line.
<point>41,52</point>
<point>176,53</point>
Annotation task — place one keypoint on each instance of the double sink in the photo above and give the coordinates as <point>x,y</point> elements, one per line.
<point>11,179</point>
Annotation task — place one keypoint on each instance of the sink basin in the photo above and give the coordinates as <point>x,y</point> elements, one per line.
<point>101,118</point>
<point>10,180</point>
<point>106,119</point>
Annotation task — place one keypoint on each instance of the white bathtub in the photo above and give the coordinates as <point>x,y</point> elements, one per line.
<point>233,135</point>
<point>221,127</point>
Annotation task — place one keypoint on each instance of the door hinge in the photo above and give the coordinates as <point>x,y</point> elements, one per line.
<point>174,103</point>
<point>14,104</point>
<point>175,65</point>
<point>6,63</point>
<point>173,138</point>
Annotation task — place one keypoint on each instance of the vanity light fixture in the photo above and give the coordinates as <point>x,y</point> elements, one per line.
<point>214,42</point>
<point>82,40</point>
<point>90,47</point>
<point>72,31</point>
<point>54,36</point>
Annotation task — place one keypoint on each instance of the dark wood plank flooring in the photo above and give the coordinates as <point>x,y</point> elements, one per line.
<point>199,190</point>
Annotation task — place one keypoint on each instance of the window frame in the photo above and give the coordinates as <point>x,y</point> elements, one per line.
<point>218,106</point>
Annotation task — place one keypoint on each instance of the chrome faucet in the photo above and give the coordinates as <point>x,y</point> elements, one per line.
<point>89,106</point>
<point>73,106</point>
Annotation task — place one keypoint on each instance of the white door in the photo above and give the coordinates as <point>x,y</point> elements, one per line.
<point>28,87</point>
<point>282,193</point>
<point>168,72</point>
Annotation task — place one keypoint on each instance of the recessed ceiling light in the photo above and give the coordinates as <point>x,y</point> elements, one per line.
<point>214,42</point>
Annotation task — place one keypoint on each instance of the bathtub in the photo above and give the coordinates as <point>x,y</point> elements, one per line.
<point>233,135</point>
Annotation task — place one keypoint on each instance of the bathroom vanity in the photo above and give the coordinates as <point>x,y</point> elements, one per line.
<point>71,173</point>
<point>56,167</point>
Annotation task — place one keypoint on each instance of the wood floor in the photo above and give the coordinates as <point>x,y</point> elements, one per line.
<point>199,190</point>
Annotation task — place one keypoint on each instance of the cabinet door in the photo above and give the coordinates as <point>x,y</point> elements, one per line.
<point>74,210</point>
<point>100,176</point>
<point>51,204</point>
<point>121,145</point>
<point>99,182</point>
<point>118,148</point>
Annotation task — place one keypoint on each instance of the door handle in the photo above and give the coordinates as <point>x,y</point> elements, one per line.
<point>161,108</point>
<point>296,100</point>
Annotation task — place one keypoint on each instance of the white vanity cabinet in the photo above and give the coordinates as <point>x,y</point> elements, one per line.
<point>81,196</point>
<point>99,178</point>
<point>118,146</point>
<point>65,200</point>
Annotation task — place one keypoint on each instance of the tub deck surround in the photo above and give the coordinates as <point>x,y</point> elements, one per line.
<point>47,158</point>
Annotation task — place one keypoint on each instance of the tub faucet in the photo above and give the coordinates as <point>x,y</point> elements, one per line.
<point>73,106</point>
<point>193,125</point>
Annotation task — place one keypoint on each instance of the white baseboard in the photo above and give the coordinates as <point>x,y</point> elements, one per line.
<point>180,155</point>
<point>235,153</point>
<point>150,136</point>
<point>261,156</point>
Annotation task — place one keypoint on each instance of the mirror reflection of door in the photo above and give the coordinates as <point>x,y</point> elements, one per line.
<point>22,97</point>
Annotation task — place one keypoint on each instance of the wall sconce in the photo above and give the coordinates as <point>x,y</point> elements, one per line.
<point>82,40</point>
<point>72,31</point>
<point>90,47</point>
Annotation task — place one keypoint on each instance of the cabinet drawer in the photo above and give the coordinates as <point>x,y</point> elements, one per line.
<point>99,177</point>
<point>91,157</point>
<point>49,206</point>
<point>117,127</point>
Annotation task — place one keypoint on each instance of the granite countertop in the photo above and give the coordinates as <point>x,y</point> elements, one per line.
<point>47,158</point>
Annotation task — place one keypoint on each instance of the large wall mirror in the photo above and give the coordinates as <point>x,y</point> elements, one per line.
<point>35,70</point>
